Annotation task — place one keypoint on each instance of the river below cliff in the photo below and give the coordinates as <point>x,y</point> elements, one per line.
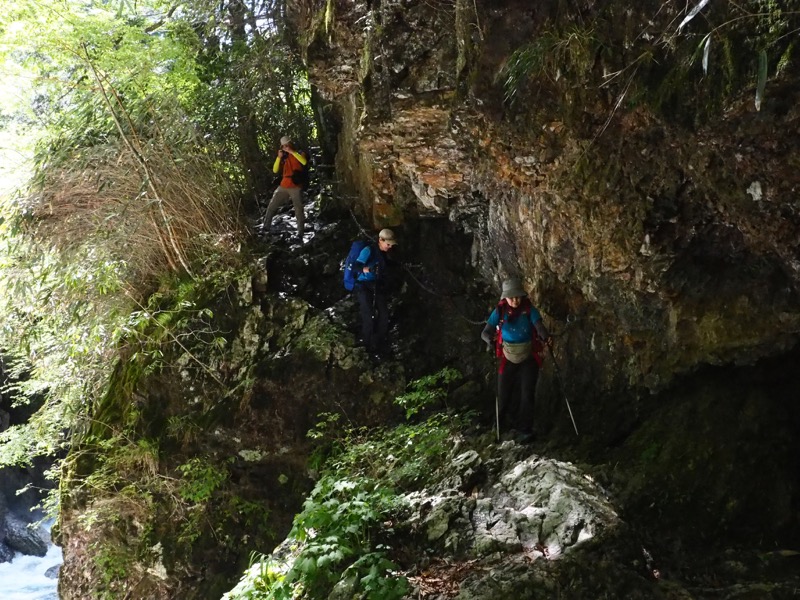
<point>27,578</point>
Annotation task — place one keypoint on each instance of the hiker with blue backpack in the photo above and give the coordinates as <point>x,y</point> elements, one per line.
<point>516,332</point>
<point>366,273</point>
<point>293,167</point>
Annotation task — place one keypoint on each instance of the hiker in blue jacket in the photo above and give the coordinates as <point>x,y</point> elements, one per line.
<point>370,288</point>
<point>516,329</point>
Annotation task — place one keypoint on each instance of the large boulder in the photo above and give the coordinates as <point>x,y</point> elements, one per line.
<point>530,504</point>
<point>24,537</point>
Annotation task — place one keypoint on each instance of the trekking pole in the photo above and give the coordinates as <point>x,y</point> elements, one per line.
<point>496,398</point>
<point>561,385</point>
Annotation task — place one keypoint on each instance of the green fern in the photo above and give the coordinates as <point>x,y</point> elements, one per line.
<point>551,54</point>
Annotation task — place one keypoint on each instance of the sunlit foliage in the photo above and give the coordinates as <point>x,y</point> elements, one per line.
<point>153,128</point>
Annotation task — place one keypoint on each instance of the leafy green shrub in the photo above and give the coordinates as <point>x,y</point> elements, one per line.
<point>427,391</point>
<point>406,456</point>
<point>337,532</point>
<point>200,480</point>
<point>338,524</point>
<point>342,538</point>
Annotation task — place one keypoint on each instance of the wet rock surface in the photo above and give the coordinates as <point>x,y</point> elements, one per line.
<point>537,528</point>
<point>25,538</point>
<point>531,504</point>
<point>52,572</point>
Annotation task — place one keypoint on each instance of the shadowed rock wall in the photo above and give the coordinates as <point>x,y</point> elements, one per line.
<point>649,209</point>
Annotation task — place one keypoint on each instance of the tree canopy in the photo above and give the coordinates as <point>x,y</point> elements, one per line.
<point>152,127</point>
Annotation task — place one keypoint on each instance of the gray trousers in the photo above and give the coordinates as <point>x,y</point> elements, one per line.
<point>281,196</point>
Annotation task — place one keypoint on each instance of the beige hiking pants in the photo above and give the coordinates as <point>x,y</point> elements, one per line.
<point>281,196</point>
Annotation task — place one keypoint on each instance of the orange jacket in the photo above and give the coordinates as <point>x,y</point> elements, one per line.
<point>290,165</point>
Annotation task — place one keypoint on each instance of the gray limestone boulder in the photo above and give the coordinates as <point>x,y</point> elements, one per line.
<point>536,505</point>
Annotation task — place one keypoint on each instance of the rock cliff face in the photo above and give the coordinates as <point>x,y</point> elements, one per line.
<point>212,464</point>
<point>650,209</point>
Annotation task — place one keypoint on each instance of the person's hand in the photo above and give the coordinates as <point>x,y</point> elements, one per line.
<point>365,270</point>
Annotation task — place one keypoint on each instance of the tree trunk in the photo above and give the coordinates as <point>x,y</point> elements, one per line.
<point>257,167</point>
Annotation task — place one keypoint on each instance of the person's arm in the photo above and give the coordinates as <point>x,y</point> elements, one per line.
<point>541,329</point>
<point>299,156</point>
<point>363,260</point>
<point>538,325</point>
<point>277,165</point>
<point>488,333</point>
<point>542,332</point>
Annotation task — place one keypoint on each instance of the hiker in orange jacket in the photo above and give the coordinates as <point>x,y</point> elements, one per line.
<point>291,161</point>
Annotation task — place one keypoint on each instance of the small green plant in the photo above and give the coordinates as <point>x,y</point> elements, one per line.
<point>183,428</point>
<point>337,529</point>
<point>318,336</point>
<point>112,562</point>
<point>262,576</point>
<point>326,427</point>
<point>201,479</point>
<point>550,54</point>
<point>253,514</point>
<point>191,528</point>
<point>427,391</point>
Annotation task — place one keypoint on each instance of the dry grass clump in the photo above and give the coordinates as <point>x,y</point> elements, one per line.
<point>149,208</point>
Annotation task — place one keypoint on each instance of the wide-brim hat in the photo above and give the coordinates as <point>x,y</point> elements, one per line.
<point>286,140</point>
<point>387,235</point>
<point>512,288</point>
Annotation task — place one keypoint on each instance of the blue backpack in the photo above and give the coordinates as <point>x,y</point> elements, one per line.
<point>350,274</point>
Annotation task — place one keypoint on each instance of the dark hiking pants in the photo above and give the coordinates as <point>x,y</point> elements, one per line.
<point>374,311</point>
<point>516,390</point>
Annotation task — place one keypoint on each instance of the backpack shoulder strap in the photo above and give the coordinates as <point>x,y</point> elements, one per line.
<point>376,258</point>
<point>502,312</point>
<point>498,338</point>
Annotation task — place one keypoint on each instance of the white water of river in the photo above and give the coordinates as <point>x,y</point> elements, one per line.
<point>24,577</point>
